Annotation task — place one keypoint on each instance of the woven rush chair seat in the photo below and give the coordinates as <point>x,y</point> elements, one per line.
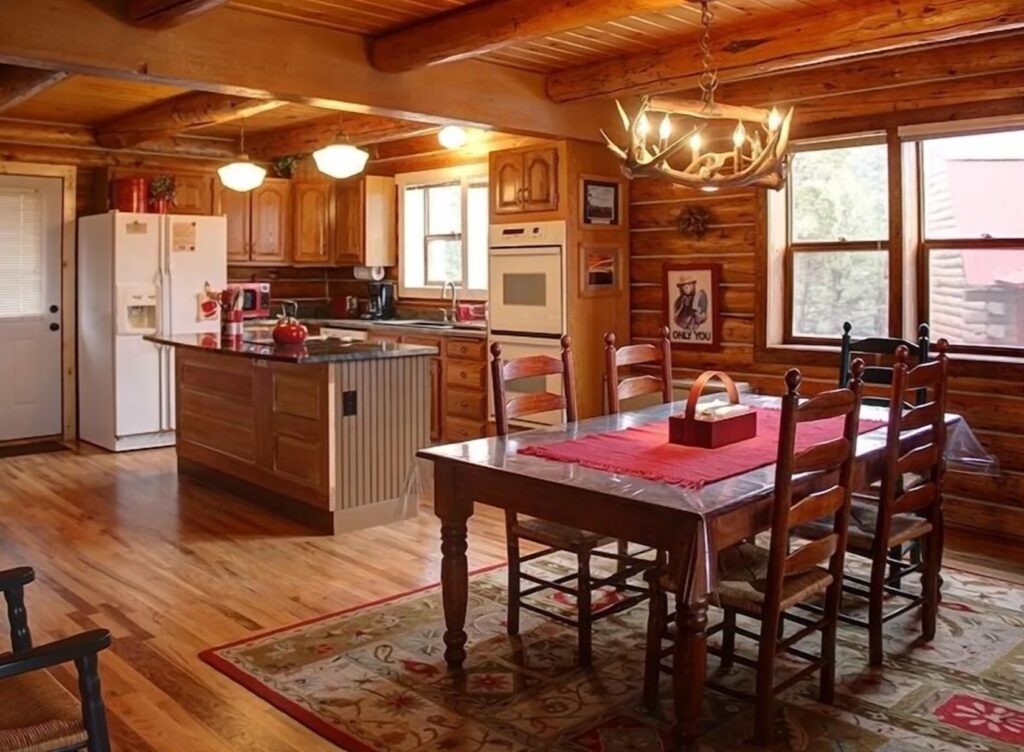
<point>743,580</point>
<point>864,523</point>
<point>38,715</point>
<point>556,535</point>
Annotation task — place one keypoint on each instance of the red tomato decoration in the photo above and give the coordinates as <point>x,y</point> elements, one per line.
<point>289,331</point>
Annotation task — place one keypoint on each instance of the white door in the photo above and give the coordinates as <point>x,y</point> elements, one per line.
<point>30,298</point>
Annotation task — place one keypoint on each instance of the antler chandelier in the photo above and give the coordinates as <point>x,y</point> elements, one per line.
<point>758,156</point>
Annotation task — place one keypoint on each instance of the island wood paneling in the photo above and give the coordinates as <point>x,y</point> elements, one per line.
<point>993,407</point>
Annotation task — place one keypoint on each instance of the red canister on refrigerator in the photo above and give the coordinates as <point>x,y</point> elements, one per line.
<point>131,194</point>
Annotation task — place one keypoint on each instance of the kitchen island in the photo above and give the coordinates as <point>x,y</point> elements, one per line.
<point>325,432</point>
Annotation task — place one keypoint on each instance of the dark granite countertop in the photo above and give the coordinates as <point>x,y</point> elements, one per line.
<point>399,326</point>
<point>312,351</point>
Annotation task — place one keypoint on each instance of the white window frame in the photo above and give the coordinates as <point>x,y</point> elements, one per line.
<point>466,176</point>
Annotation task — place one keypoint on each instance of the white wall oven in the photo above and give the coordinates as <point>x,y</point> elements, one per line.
<point>527,279</point>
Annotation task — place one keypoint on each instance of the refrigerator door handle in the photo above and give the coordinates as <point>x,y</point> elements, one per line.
<point>160,381</point>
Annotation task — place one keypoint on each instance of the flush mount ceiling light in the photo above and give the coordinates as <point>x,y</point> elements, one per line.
<point>453,137</point>
<point>242,175</point>
<point>759,154</point>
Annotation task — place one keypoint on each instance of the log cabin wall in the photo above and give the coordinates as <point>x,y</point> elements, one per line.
<point>987,393</point>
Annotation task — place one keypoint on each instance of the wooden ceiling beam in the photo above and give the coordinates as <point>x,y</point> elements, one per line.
<point>61,136</point>
<point>230,52</point>
<point>18,85</point>
<point>164,13</point>
<point>476,29</point>
<point>989,55</point>
<point>478,147</point>
<point>782,44</point>
<point>172,116</point>
<point>311,135</point>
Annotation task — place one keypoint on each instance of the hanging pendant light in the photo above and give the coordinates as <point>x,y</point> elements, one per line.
<point>758,139</point>
<point>341,159</point>
<point>242,175</point>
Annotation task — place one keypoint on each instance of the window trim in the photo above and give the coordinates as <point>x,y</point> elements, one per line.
<point>926,245</point>
<point>467,176</point>
<point>792,247</point>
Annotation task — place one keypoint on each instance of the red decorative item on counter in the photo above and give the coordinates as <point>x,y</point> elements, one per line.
<point>689,430</point>
<point>289,331</point>
<point>130,195</point>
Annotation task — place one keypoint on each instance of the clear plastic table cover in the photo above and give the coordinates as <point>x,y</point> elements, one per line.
<point>963,452</point>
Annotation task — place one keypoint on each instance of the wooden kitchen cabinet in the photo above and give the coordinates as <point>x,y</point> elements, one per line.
<point>311,220</point>
<point>524,180</point>
<point>193,192</point>
<point>365,222</point>
<point>259,222</point>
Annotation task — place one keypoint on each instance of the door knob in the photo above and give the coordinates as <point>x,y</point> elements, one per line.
<point>54,327</point>
<point>54,309</point>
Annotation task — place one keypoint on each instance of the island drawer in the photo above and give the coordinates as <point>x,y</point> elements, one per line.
<point>467,404</point>
<point>462,429</point>
<point>470,349</point>
<point>466,375</point>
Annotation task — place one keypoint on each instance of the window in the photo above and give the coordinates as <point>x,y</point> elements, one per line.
<point>972,231</point>
<point>21,253</point>
<point>443,217</point>
<point>837,241</point>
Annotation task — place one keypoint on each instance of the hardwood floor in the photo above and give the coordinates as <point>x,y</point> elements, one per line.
<point>171,568</point>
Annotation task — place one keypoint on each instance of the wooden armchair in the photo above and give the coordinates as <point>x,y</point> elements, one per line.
<point>36,713</point>
<point>764,583</point>
<point>555,537</point>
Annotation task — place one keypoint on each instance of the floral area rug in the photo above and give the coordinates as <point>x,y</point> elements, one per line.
<point>373,679</point>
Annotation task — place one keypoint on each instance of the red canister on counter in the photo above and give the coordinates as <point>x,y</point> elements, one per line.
<point>231,324</point>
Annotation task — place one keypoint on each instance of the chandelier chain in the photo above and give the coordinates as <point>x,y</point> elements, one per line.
<point>708,76</point>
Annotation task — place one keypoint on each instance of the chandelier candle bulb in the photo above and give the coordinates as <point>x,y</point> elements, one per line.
<point>774,120</point>
<point>665,130</point>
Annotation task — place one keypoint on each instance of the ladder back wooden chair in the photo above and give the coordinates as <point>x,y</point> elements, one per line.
<point>903,514</point>
<point>764,583</point>
<point>555,537</point>
<point>636,355</point>
<point>36,713</point>
<point>880,375</point>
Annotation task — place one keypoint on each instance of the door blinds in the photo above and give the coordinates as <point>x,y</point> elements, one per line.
<point>21,253</point>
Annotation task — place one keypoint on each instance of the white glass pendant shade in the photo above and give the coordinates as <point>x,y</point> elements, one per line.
<point>340,160</point>
<point>453,137</point>
<point>242,176</point>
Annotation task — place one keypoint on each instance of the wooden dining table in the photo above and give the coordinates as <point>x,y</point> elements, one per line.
<point>692,525</point>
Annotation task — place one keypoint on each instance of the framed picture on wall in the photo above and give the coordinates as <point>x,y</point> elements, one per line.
<point>600,202</point>
<point>600,269</point>
<point>693,302</point>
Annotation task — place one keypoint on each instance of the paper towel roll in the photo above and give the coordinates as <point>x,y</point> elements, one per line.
<point>369,273</point>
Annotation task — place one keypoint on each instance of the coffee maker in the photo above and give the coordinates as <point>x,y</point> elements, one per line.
<point>383,304</point>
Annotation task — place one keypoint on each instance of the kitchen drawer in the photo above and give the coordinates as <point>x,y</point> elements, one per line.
<point>464,374</point>
<point>469,349</point>
<point>460,429</point>
<point>467,404</point>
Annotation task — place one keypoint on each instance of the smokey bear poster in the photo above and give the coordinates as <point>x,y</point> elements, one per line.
<point>692,300</point>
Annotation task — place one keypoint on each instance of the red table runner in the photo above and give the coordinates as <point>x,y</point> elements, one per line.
<point>646,453</point>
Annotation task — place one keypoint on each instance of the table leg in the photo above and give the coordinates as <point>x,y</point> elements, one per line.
<point>453,513</point>
<point>689,665</point>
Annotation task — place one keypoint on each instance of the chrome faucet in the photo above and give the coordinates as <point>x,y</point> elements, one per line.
<point>452,316</point>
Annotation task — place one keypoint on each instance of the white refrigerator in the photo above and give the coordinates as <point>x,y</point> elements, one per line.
<point>140,274</point>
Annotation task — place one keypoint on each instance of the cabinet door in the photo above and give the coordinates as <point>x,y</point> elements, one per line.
<point>311,222</point>
<point>193,194</point>
<point>271,211</point>
<point>235,207</point>
<point>349,246</point>
<point>540,171</point>
<point>507,182</point>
